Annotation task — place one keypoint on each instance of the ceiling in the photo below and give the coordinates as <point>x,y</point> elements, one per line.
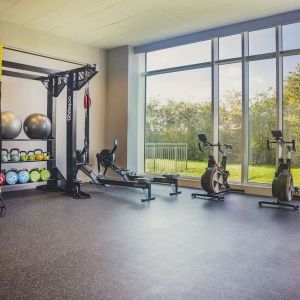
<point>112,23</point>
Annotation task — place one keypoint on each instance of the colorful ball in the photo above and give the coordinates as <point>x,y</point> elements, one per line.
<point>23,176</point>
<point>2,178</point>
<point>11,177</point>
<point>34,175</point>
<point>45,174</point>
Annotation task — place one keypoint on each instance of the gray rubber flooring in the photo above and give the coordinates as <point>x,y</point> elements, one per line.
<point>112,246</point>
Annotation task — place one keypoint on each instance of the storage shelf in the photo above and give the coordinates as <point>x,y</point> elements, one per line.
<point>27,161</point>
<point>29,140</point>
<point>20,186</point>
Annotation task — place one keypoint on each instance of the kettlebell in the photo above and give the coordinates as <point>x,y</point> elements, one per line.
<point>23,176</point>
<point>45,174</point>
<point>11,177</point>
<point>46,155</point>
<point>5,155</point>
<point>23,156</point>
<point>38,154</point>
<point>30,155</point>
<point>2,177</point>
<point>34,175</point>
<point>15,154</point>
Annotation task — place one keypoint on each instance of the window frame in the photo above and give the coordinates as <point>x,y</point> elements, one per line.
<point>245,58</point>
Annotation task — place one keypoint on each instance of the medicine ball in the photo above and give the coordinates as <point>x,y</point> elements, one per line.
<point>11,125</point>
<point>37,126</point>
<point>23,176</point>
<point>45,174</point>
<point>11,177</point>
<point>2,178</point>
<point>34,175</point>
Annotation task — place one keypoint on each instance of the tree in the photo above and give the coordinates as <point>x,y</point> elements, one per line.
<point>179,121</point>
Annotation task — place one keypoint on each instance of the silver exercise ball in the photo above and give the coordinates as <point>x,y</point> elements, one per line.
<point>37,126</point>
<point>11,125</point>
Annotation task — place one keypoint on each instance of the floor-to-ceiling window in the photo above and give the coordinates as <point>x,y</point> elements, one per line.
<point>178,107</point>
<point>230,115</point>
<point>253,80</point>
<point>291,92</point>
<point>291,108</point>
<point>262,119</point>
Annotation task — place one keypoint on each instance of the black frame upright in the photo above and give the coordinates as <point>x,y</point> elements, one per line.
<point>74,79</point>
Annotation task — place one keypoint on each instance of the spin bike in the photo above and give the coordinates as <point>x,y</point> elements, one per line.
<point>282,186</point>
<point>214,179</point>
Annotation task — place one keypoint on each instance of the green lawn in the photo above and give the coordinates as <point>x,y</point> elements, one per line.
<point>257,174</point>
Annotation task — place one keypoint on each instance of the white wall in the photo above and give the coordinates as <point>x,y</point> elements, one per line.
<point>26,96</point>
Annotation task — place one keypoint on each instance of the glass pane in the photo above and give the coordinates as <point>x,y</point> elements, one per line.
<point>230,115</point>
<point>179,56</point>
<point>262,119</point>
<point>230,46</point>
<point>178,108</point>
<point>291,36</point>
<point>291,108</point>
<point>262,41</point>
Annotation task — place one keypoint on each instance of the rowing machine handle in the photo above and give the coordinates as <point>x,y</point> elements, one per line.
<point>116,143</point>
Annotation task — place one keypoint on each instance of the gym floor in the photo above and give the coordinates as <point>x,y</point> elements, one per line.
<point>112,246</point>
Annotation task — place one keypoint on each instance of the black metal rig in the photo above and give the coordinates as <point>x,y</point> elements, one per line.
<point>55,81</point>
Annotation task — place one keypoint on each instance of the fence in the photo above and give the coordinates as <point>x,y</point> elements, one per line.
<point>165,157</point>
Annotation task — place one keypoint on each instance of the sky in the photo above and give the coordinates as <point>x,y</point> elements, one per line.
<point>195,85</point>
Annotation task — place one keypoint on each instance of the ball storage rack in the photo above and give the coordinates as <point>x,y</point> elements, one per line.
<point>54,81</point>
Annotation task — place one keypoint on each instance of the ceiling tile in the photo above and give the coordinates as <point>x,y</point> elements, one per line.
<point>27,10</point>
<point>109,23</point>
<point>70,13</point>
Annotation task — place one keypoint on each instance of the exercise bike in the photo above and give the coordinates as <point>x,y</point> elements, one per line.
<point>214,179</point>
<point>282,186</point>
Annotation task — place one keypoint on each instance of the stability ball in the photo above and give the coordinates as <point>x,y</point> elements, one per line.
<point>11,125</point>
<point>37,126</point>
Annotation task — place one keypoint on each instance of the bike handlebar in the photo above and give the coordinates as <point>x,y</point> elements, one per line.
<point>207,144</point>
<point>291,145</point>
